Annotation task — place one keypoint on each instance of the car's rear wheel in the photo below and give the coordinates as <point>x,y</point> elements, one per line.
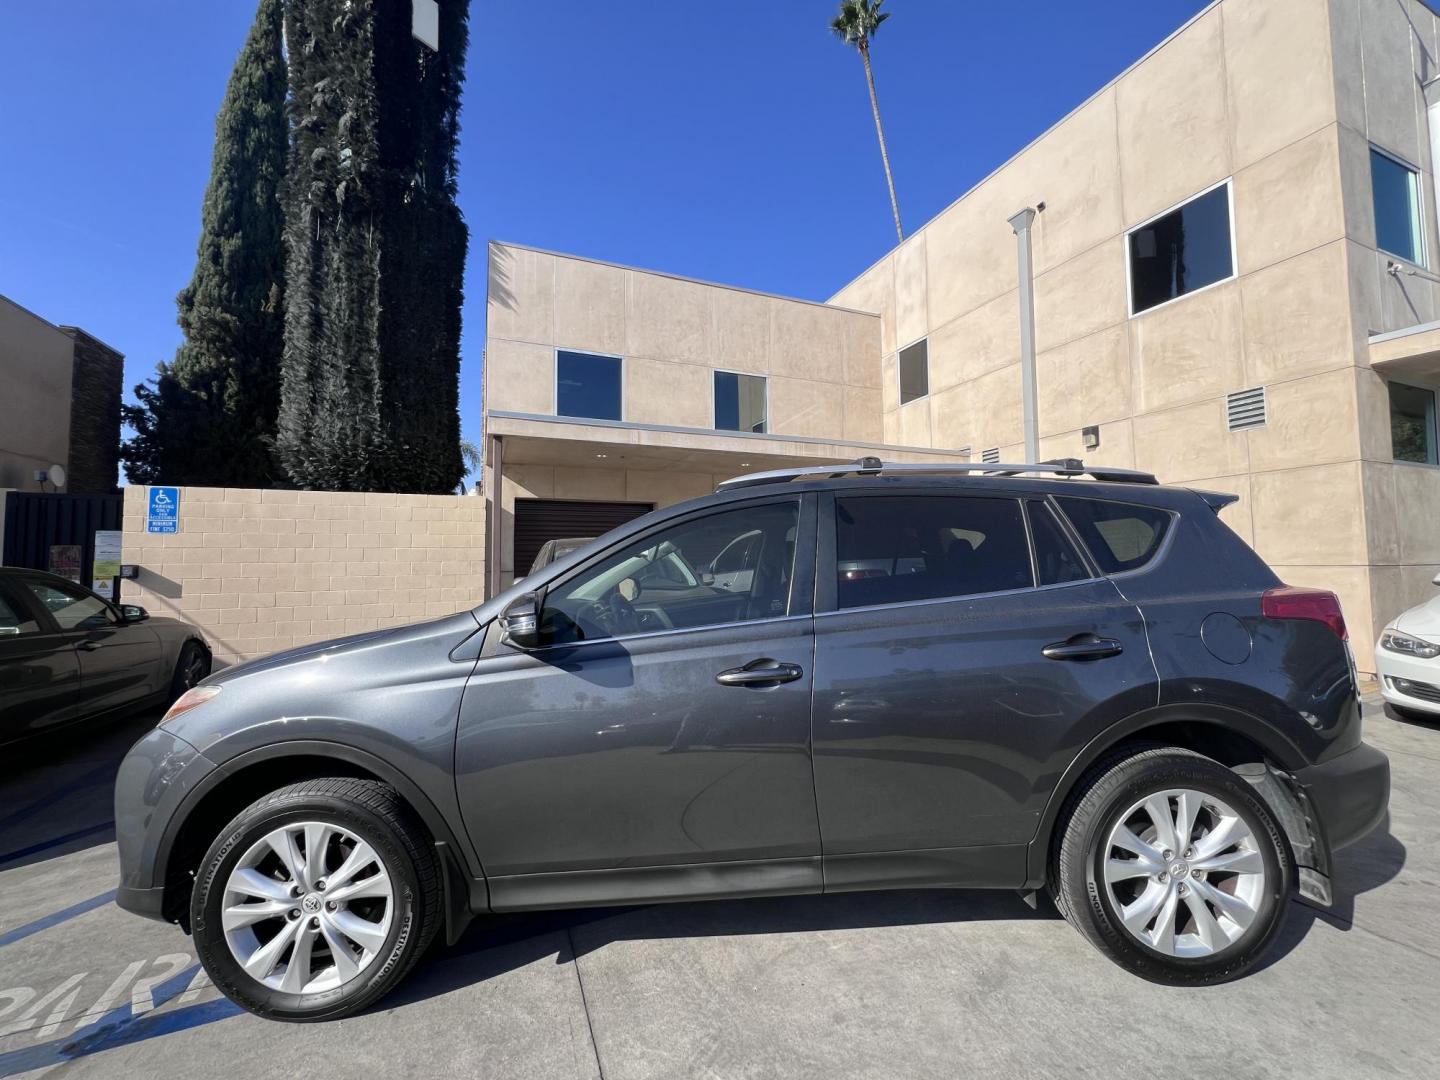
<point>316,900</point>
<point>191,669</point>
<point>1172,866</point>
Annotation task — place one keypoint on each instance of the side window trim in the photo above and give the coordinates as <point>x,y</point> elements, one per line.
<point>1058,516</point>
<point>801,580</point>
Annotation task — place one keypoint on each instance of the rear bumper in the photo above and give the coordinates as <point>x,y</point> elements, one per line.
<point>1348,795</point>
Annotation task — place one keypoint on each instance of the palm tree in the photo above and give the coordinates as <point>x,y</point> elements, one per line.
<point>857,22</point>
<point>470,456</point>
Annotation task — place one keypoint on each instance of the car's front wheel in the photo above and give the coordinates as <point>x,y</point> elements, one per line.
<point>1175,868</point>
<point>316,900</point>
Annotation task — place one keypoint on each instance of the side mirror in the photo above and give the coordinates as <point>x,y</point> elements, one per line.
<point>1435,580</point>
<point>133,613</point>
<point>520,622</point>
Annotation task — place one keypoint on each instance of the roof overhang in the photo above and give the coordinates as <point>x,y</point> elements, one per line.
<point>1412,353</point>
<point>532,439</point>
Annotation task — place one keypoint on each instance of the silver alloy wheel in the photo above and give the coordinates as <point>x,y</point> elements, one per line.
<point>1184,872</point>
<point>307,908</point>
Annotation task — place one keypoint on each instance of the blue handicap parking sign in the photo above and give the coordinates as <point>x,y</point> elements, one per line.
<point>164,510</point>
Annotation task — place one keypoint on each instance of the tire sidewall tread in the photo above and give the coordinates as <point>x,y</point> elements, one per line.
<point>368,808</point>
<point>1118,783</point>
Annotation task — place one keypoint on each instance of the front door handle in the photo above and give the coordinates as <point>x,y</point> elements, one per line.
<point>1083,647</point>
<point>761,672</point>
<point>89,644</point>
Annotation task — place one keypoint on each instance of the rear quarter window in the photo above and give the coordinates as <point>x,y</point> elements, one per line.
<point>1120,536</point>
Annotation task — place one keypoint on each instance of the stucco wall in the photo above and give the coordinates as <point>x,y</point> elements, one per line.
<point>822,364</point>
<point>262,571</point>
<point>1252,91</point>
<point>35,372</point>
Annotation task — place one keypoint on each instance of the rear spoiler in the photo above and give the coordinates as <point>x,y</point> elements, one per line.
<point>1217,500</point>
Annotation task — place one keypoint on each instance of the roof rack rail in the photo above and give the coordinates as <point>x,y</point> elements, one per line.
<point>873,466</point>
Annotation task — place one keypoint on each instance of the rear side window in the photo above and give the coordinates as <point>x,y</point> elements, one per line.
<point>13,619</point>
<point>1120,536</point>
<point>1056,559</point>
<point>892,549</point>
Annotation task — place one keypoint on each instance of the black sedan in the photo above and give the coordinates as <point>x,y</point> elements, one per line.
<point>67,654</point>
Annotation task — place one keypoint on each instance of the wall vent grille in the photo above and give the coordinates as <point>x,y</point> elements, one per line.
<point>991,455</point>
<point>1245,409</point>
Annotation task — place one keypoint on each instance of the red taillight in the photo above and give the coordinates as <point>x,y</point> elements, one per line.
<point>1316,605</point>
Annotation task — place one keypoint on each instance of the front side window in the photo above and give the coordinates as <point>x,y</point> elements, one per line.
<point>1181,251</point>
<point>1120,536</point>
<point>739,402</point>
<point>734,566</point>
<point>587,385</point>
<point>14,621</point>
<point>1396,190</point>
<point>72,607</point>
<point>1412,423</point>
<point>892,549</point>
<point>914,371</point>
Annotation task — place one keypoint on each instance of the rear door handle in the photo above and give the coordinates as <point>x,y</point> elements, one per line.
<point>1083,647</point>
<point>760,673</point>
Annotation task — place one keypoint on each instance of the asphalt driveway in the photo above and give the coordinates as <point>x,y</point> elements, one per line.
<point>870,985</point>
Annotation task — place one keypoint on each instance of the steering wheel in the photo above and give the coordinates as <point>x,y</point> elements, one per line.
<point>614,615</point>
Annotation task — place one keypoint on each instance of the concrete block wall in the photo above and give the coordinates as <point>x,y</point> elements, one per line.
<point>262,571</point>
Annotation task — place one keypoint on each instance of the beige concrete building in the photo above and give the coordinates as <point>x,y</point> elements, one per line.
<point>1235,282</point>
<point>59,404</point>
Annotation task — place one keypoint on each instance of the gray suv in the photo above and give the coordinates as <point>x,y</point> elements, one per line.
<point>998,676</point>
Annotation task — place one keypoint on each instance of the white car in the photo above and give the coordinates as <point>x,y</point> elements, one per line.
<point>1407,659</point>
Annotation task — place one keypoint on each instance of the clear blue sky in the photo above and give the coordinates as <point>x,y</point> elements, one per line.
<point>730,142</point>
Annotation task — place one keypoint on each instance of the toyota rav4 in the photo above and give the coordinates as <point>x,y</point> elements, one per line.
<point>1038,678</point>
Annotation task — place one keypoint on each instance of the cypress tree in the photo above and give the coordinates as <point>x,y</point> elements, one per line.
<point>376,249</point>
<point>210,416</point>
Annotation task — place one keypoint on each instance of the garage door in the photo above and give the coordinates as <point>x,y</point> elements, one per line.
<point>539,520</point>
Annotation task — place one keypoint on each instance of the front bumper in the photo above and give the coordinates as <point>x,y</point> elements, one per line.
<point>1348,795</point>
<point>1391,667</point>
<point>154,779</point>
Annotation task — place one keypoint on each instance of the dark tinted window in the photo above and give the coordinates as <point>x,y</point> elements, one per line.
<point>729,567</point>
<point>893,549</point>
<point>914,372</point>
<point>1120,536</point>
<point>587,385</point>
<point>14,620</point>
<point>1396,191</point>
<point>1412,423</point>
<point>739,402</point>
<point>1055,557</point>
<point>71,606</point>
<point>1185,250</point>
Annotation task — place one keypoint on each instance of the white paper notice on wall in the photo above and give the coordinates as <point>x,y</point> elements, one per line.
<point>425,22</point>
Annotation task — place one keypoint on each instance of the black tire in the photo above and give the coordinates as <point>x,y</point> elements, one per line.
<point>1115,786</point>
<point>373,812</point>
<point>191,669</point>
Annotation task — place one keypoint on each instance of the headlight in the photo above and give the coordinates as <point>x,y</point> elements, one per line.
<point>191,699</point>
<point>1406,645</point>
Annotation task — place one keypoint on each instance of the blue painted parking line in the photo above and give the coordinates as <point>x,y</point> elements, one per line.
<point>120,1027</point>
<point>33,849</point>
<point>64,915</point>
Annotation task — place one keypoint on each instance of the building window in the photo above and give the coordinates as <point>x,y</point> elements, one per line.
<point>914,371</point>
<point>587,385</point>
<point>1412,424</point>
<point>1396,189</point>
<point>1182,251</point>
<point>739,402</point>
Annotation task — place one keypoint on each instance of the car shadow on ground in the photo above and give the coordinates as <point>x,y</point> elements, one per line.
<point>57,791</point>
<point>495,945</point>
